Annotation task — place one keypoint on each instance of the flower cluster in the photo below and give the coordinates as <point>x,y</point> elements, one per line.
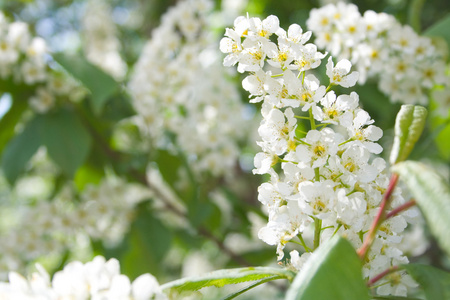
<point>101,45</point>
<point>322,179</point>
<point>24,60</point>
<point>104,212</point>
<point>408,65</point>
<point>179,86</point>
<point>97,279</point>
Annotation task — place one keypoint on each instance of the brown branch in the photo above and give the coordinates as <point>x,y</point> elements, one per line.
<point>401,208</point>
<point>381,216</point>
<point>382,274</point>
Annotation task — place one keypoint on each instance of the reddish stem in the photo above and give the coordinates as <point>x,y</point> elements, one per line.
<point>401,208</point>
<point>382,274</point>
<point>381,216</point>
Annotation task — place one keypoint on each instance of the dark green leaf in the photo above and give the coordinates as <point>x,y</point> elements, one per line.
<point>223,277</point>
<point>149,242</point>
<point>66,139</point>
<point>432,194</point>
<point>168,166</point>
<point>20,149</point>
<point>100,84</point>
<point>409,125</point>
<point>332,272</point>
<point>440,29</point>
<point>435,282</point>
<point>9,121</point>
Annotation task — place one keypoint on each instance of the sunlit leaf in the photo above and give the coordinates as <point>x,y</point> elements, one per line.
<point>223,277</point>
<point>432,194</point>
<point>332,272</point>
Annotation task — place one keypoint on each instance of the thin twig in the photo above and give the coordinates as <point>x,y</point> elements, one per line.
<point>401,208</point>
<point>381,216</point>
<point>382,274</point>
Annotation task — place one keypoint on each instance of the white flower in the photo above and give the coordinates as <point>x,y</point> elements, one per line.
<point>278,129</point>
<point>317,147</point>
<point>366,136</point>
<point>298,261</point>
<point>295,35</point>
<point>316,198</point>
<point>262,30</point>
<point>355,166</point>
<point>334,109</point>
<point>305,94</point>
<point>307,57</point>
<point>254,84</point>
<point>97,279</point>
<point>263,162</point>
<point>340,74</point>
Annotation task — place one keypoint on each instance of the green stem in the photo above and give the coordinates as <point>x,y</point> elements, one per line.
<point>347,141</point>
<point>302,241</point>
<point>337,229</point>
<point>316,174</point>
<point>311,119</point>
<point>415,9</point>
<point>302,117</point>
<point>234,295</point>
<point>277,75</point>
<point>287,161</point>
<point>317,231</point>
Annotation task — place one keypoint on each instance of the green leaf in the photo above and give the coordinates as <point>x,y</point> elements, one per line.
<point>435,282</point>
<point>66,139</point>
<point>432,194</point>
<point>332,272</point>
<point>100,84</point>
<point>9,121</point>
<point>443,140</point>
<point>88,174</point>
<point>440,133</point>
<point>231,276</point>
<point>394,298</point>
<point>20,149</point>
<point>149,241</point>
<point>409,125</point>
<point>440,29</point>
<point>253,285</point>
